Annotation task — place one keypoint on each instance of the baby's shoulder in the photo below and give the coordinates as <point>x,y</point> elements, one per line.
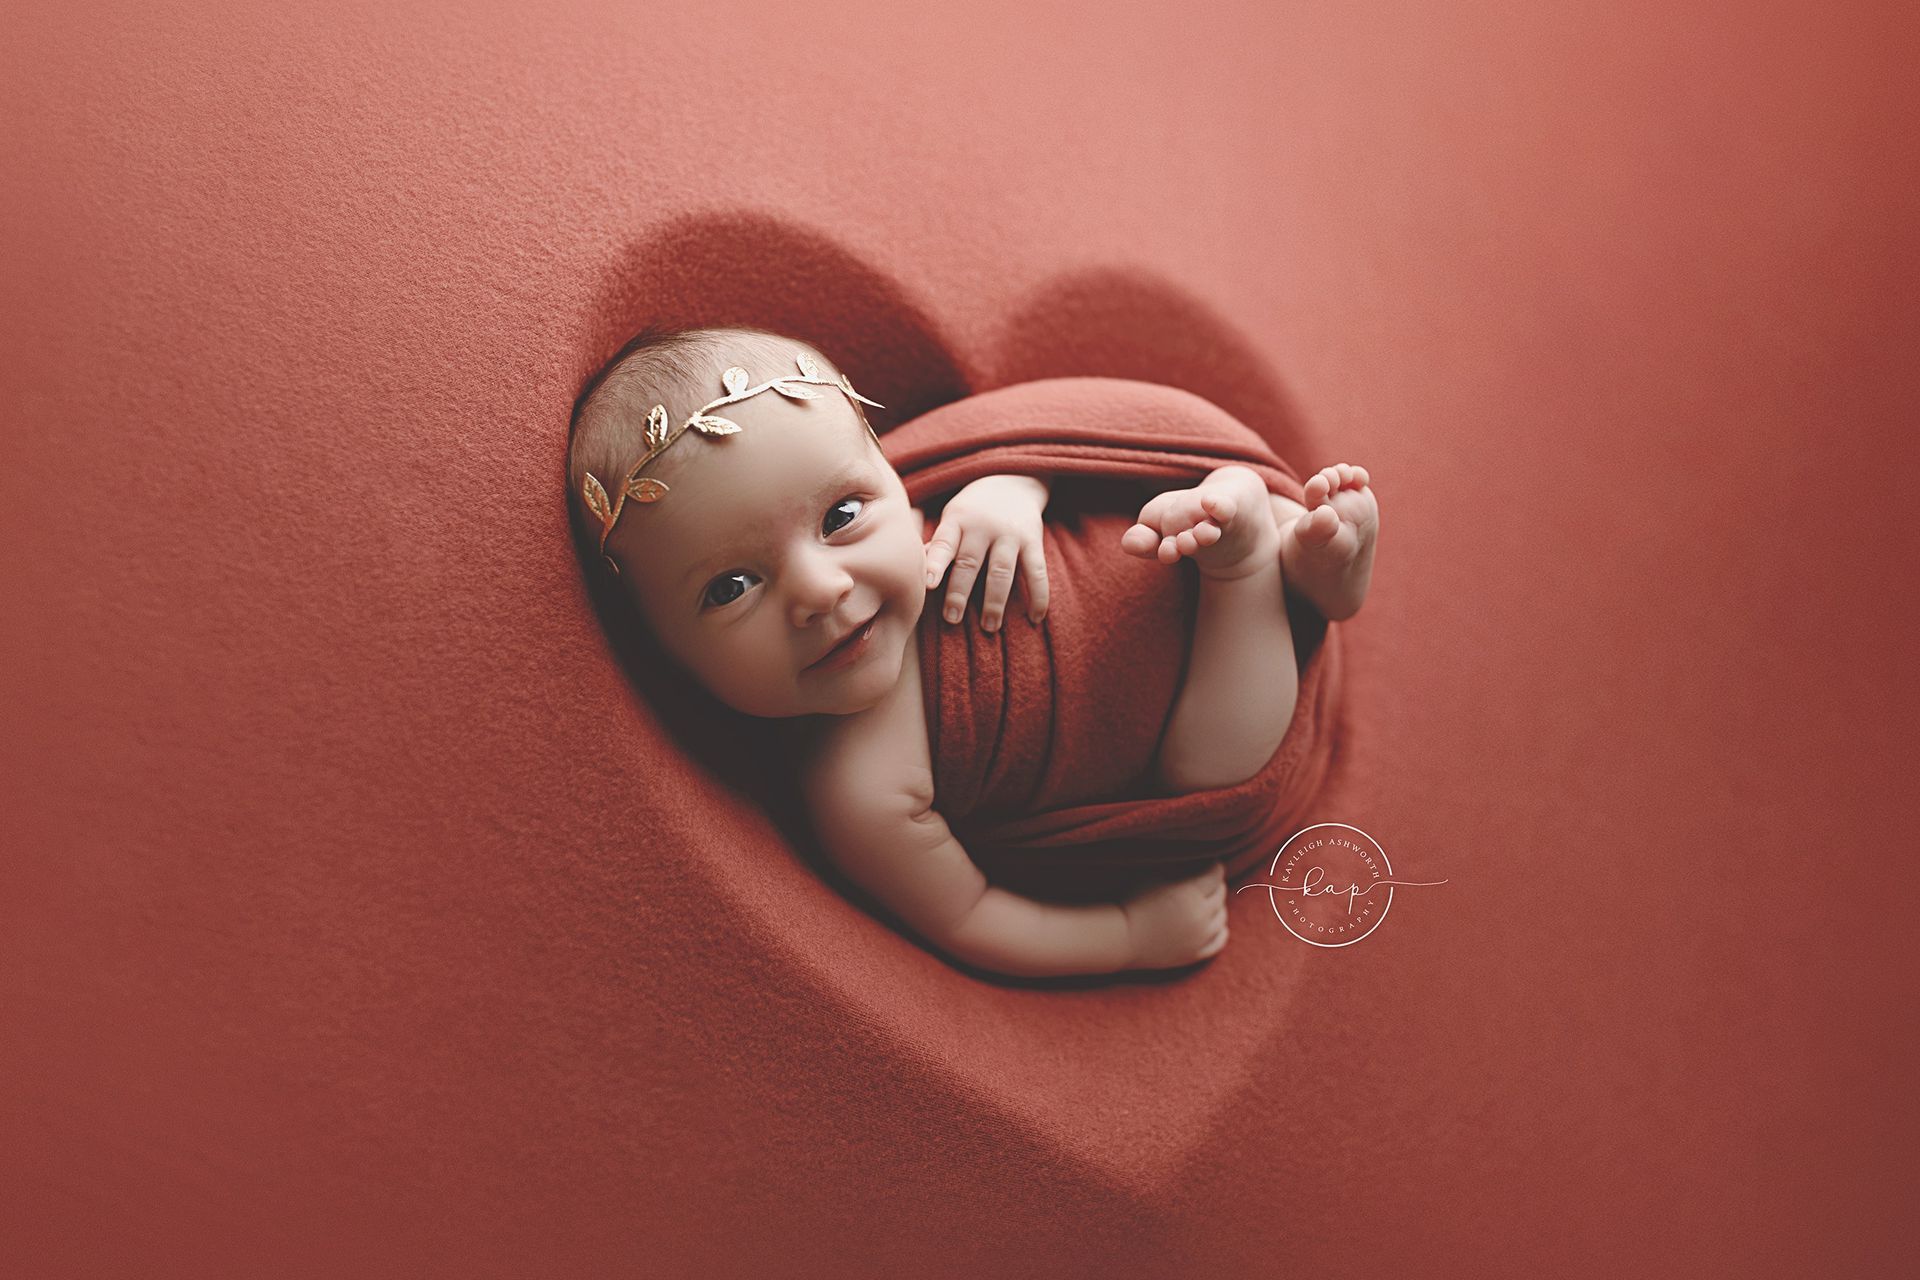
<point>878,755</point>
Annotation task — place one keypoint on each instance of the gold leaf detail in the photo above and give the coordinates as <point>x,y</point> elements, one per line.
<point>808,367</point>
<point>708,425</point>
<point>796,391</point>
<point>848,388</point>
<point>656,427</point>
<point>646,489</point>
<point>736,380</point>
<point>597,499</point>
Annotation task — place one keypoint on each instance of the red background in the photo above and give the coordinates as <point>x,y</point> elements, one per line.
<point>357,916</point>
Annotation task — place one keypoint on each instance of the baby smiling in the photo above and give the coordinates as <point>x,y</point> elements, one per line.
<point>773,551</point>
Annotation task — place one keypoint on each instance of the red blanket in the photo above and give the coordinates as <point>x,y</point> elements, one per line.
<point>1043,737</point>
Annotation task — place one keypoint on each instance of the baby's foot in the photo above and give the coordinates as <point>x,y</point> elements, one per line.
<point>1326,547</point>
<point>1224,524</point>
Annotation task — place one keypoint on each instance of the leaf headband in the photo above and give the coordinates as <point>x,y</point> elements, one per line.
<point>647,489</point>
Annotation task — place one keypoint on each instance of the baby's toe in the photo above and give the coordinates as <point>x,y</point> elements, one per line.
<point>1351,476</point>
<point>1219,505</point>
<point>1154,514</point>
<point>1189,508</point>
<point>1317,527</point>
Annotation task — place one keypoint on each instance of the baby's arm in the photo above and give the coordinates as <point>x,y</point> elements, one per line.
<point>894,844</point>
<point>889,839</point>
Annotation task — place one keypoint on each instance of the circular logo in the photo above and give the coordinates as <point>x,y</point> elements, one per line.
<point>1331,884</point>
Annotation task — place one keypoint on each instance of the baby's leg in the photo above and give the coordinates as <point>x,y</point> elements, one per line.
<point>1241,682</point>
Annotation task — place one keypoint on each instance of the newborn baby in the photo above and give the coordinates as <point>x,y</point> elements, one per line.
<point>736,489</point>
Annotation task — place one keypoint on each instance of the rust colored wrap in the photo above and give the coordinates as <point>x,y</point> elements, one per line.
<point>1044,737</point>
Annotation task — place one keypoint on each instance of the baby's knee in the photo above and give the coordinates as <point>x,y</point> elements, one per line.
<point>1227,754</point>
<point>1184,770</point>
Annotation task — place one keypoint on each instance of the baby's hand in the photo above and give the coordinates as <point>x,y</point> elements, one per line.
<point>994,521</point>
<point>1176,924</point>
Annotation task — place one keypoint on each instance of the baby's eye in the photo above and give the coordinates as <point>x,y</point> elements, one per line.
<point>836,506</point>
<point>710,599</point>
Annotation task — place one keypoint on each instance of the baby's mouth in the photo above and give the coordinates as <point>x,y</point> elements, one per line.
<point>853,637</point>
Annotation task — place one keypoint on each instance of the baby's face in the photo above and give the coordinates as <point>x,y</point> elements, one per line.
<point>772,544</point>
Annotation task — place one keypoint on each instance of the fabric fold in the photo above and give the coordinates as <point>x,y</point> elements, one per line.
<point>1043,737</point>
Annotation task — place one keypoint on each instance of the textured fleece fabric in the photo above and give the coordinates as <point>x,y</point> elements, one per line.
<point>360,917</point>
<point>1044,736</point>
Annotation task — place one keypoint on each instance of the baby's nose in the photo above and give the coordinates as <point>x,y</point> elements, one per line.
<point>818,588</point>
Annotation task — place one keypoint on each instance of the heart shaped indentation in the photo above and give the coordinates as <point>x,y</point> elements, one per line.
<point>1128,1074</point>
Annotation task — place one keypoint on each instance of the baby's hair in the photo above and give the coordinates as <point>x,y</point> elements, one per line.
<point>678,368</point>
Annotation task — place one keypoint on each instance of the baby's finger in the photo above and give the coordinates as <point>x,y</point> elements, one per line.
<point>939,554</point>
<point>1001,557</point>
<point>1035,558</point>
<point>967,562</point>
